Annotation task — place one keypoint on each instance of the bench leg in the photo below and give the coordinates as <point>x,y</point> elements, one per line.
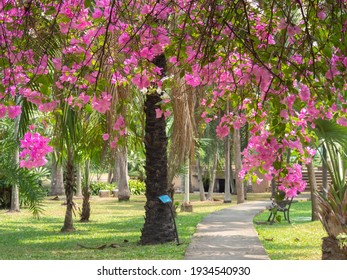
<point>270,216</point>
<point>286,216</point>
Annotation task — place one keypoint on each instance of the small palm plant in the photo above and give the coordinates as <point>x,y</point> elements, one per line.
<point>333,208</point>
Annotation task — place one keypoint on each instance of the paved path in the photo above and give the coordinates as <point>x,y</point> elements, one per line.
<point>229,234</point>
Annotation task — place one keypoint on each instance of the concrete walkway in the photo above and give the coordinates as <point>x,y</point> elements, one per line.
<point>229,234</point>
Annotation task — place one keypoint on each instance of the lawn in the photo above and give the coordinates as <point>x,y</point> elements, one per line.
<point>119,223</point>
<point>112,222</point>
<point>300,240</point>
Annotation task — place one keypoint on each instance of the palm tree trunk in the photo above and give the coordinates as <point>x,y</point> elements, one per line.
<point>227,194</point>
<point>57,180</point>
<point>15,206</point>
<point>85,214</point>
<point>213,175</point>
<point>200,183</point>
<point>121,173</point>
<point>110,176</point>
<point>158,227</point>
<point>238,166</point>
<point>313,188</point>
<point>68,222</point>
<point>191,187</point>
<point>186,206</point>
<point>78,180</point>
<point>325,172</point>
<point>331,249</point>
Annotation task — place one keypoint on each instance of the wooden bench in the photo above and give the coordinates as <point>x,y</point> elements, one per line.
<point>280,206</point>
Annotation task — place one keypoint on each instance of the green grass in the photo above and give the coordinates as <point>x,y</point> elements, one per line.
<point>112,222</point>
<point>24,237</point>
<point>300,240</point>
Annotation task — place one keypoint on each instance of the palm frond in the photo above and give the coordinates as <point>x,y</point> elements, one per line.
<point>32,193</point>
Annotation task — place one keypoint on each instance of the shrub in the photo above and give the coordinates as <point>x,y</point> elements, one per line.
<point>95,187</point>
<point>137,187</point>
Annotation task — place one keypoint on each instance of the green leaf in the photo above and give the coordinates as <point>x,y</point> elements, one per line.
<point>87,3</point>
<point>2,88</point>
<point>4,63</point>
<point>89,108</point>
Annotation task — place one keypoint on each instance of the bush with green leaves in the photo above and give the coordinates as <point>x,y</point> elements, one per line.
<point>137,187</point>
<point>95,187</point>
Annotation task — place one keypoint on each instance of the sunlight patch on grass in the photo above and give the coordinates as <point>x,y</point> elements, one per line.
<point>300,240</point>
<point>112,222</point>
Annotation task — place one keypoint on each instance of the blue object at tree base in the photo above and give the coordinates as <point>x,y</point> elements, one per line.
<point>165,198</point>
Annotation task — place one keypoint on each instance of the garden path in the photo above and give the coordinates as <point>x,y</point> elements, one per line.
<point>229,234</point>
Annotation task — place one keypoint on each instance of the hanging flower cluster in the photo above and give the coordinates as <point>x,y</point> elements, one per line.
<point>34,150</point>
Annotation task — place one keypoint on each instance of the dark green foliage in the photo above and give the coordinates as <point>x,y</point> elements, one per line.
<point>95,187</point>
<point>31,191</point>
<point>29,181</point>
<point>137,187</point>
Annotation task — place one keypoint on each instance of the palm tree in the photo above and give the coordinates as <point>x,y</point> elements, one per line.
<point>333,208</point>
<point>238,166</point>
<point>158,227</point>
<point>57,179</point>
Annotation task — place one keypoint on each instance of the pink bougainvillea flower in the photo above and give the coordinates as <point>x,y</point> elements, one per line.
<point>304,92</point>
<point>173,59</point>
<point>141,81</point>
<point>47,107</point>
<point>84,98</point>
<point>331,73</point>
<point>342,121</point>
<point>167,113</point>
<point>192,80</point>
<point>158,113</point>
<point>284,114</point>
<point>321,15</point>
<point>103,103</point>
<point>34,150</point>
<point>123,39</point>
<point>119,124</point>
<point>14,111</point>
<point>3,111</point>
<point>222,131</point>
<point>113,144</point>
<point>105,136</point>
<point>97,13</point>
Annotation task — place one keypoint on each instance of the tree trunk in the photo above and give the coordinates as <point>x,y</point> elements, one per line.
<point>186,182</point>
<point>325,172</point>
<point>110,176</point>
<point>121,173</point>
<point>68,222</point>
<point>15,206</point>
<point>191,187</point>
<point>332,251</point>
<point>85,214</point>
<point>57,180</point>
<point>313,189</point>
<point>238,166</point>
<point>213,175</point>
<point>227,194</point>
<point>273,188</point>
<point>158,227</point>
<point>78,181</point>
<point>186,206</point>
<point>200,183</point>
